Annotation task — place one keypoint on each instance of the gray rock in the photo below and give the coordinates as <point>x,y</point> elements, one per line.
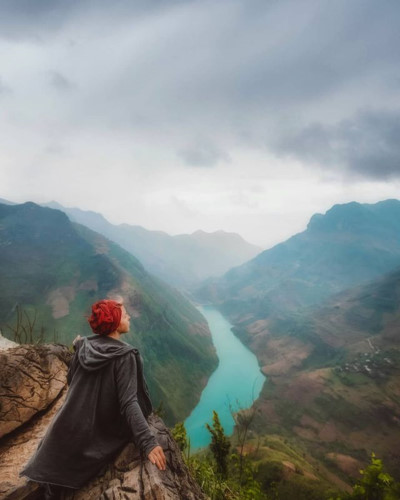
<point>16,449</point>
<point>129,477</point>
<point>31,377</point>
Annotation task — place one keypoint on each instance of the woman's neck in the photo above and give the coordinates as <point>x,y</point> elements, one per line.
<point>114,335</point>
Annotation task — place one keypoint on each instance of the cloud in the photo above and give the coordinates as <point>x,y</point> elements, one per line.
<point>233,72</point>
<point>367,145</point>
<point>203,154</point>
<point>27,20</point>
<point>153,89</point>
<point>60,82</point>
<point>4,89</point>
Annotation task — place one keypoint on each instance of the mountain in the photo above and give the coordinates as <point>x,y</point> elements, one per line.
<point>6,202</point>
<point>349,245</point>
<point>183,260</point>
<point>52,270</point>
<point>334,375</point>
<point>321,311</point>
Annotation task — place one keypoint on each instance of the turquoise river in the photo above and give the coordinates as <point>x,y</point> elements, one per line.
<point>236,382</point>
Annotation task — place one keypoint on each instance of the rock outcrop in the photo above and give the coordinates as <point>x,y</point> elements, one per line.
<point>31,377</point>
<point>128,477</point>
<point>17,448</point>
<point>131,477</point>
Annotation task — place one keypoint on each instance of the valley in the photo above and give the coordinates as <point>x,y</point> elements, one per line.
<point>320,312</point>
<point>332,359</point>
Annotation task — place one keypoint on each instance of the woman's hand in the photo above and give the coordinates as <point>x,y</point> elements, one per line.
<point>76,340</point>
<point>157,457</point>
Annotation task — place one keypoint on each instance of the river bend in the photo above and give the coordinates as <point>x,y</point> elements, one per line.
<point>237,381</point>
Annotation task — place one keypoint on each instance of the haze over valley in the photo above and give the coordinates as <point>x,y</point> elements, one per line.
<point>236,160</point>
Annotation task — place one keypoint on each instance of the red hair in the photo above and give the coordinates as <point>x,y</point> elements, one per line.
<point>106,316</point>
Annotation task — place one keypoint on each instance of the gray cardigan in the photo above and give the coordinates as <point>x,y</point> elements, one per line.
<point>106,406</point>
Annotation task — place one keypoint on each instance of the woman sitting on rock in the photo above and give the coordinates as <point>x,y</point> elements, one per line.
<point>106,406</point>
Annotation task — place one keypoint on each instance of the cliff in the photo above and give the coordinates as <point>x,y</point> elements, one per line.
<point>33,398</point>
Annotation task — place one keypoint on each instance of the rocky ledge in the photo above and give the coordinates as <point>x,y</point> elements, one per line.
<point>29,382</point>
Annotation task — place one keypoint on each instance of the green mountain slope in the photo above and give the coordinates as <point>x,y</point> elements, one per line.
<point>321,312</point>
<point>349,245</point>
<point>334,376</point>
<point>56,269</point>
<point>183,260</point>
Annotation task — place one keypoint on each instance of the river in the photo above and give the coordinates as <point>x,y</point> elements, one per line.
<point>237,381</point>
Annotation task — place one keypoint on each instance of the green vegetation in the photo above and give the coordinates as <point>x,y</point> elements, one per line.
<point>375,484</point>
<point>219,446</point>
<point>180,436</point>
<point>250,473</point>
<point>274,470</point>
<point>221,474</point>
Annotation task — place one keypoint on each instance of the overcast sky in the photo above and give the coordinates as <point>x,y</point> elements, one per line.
<point>242,115</point>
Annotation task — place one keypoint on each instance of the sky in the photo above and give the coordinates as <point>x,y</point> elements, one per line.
<point>177,115</point>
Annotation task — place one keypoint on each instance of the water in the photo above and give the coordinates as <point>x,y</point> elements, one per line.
<point>237,381</point>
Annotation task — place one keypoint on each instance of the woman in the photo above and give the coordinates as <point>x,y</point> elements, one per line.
<point>107,404</point>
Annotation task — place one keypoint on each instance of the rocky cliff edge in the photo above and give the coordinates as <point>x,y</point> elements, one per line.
<point>32,389</point>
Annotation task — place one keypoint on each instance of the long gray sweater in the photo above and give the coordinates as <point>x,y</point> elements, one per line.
<point>106,407</point>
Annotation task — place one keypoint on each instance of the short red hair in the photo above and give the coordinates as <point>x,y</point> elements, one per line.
<point>106,316</point>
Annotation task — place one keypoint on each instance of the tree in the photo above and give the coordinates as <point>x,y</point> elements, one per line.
<point>243,420</point>
<point>25,328</point>
<point>220,445</point>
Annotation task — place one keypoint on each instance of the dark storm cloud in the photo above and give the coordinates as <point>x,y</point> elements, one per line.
<point>27,19</point>
<point>367,145</point>
<point>290,76</point>
<point>33,19</point>
<point>238,72</point>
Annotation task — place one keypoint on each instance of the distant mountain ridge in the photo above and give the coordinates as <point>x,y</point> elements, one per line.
<point>58,269</point>
<point>183,260</point>
<point>349,245</point>
<point>6,202</point>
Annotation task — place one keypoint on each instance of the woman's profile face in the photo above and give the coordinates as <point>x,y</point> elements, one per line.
<point>124,323</point>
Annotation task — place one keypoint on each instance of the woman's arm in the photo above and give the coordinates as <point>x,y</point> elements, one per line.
<point>126,380</point>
